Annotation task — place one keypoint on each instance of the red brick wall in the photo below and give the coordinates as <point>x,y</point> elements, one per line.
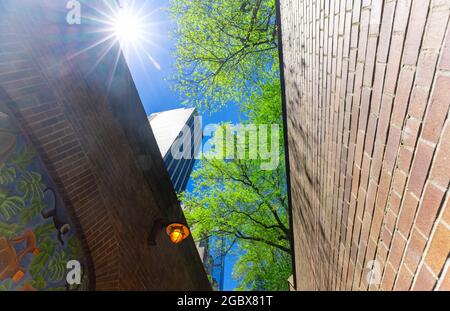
<point>367,98</point>
<point>84,116</point>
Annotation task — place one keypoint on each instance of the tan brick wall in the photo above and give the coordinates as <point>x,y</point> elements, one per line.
<point>367,99</point>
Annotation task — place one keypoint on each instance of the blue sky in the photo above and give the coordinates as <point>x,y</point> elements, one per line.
<point>154,83</point>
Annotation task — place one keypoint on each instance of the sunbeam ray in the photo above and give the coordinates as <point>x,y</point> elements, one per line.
<point>124,23</point>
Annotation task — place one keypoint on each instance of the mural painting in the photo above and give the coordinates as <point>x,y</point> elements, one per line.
<point>36,236</point>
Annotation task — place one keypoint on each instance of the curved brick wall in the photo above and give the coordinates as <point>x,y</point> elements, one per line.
<point>85,119</point>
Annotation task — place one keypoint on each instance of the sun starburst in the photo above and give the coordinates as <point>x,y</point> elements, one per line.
<point>127,23</point>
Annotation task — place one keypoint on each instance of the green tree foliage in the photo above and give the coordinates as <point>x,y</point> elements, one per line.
<point>227,51</point>
<point>234,199</point>
<point>265,107</point>
<point>223,48</point>
<point>260,269</point>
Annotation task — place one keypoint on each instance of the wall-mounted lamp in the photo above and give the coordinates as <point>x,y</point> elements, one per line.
<point>177,230</point>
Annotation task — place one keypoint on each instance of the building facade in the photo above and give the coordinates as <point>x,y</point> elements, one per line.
<point>178,134</point>
<point>367,100</point>
<point>81,171</point>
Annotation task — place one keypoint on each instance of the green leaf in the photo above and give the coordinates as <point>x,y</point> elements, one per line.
<point>38,263</point>
<point>39,282</point>
<point>46,250</point>
<point>31,212</point>
<point>31,186</point>
<point>44,231</point>
<point>10,205</point>
<point>6,285</point>
<point>24,158</point>
<point>74,247</point>
<point>56,269</point>
<point>9,230</point>
<point>7,175</point>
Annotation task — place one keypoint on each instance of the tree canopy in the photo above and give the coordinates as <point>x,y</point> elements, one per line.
<point>223,49</point>
<point>227,52</point>
<point>236,200</point>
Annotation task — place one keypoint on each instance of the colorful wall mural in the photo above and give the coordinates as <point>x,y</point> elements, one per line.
<point>36,236</point>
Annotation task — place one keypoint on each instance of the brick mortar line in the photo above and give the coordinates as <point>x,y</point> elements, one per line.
<point>437,220</point>
<point>391,109</point>
<point>332,141</point>
<point>444,272</point>
<point>401,131</point>
<point>355,143</point>
<point>328,129</point>
<point>347,108</point>
<point>341,46</point>
<point>419,138</point>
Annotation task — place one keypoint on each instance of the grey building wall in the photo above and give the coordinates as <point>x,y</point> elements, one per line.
<point>173,128</point>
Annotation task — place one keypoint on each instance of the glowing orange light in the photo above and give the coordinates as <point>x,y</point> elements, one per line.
<point>177,232</point>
